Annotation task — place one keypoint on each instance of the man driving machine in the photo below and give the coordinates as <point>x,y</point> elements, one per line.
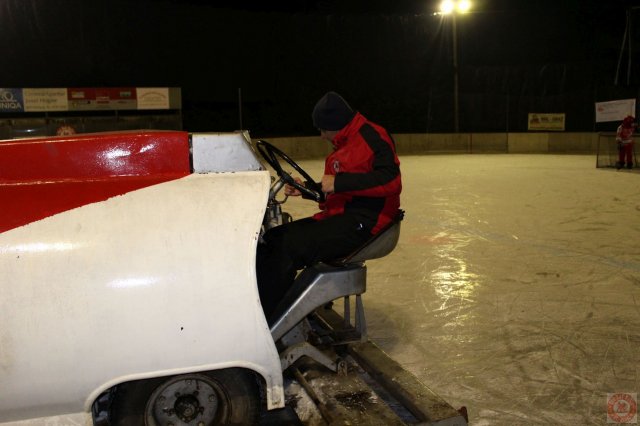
<point>362,186</point>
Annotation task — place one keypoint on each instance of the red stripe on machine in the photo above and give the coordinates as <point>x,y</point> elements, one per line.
<point>46,176</point>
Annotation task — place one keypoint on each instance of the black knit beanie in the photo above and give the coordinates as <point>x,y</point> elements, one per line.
<point>332,112</point>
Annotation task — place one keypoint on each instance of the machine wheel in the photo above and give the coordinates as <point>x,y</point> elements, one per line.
<point>222,397</point>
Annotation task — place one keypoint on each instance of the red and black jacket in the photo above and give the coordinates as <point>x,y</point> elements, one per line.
<point>624,134</point>
<point>367,172</point>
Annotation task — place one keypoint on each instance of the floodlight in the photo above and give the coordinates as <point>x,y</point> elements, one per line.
<point>446,7</point>
<point>463,6</point>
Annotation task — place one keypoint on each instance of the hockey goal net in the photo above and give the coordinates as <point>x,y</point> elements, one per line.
<point>608,151</point>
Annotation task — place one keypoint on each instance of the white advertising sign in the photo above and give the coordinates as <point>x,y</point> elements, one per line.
<point>547,121</point>
<point>615,110</point>
<point>45,99</point>
<point>153,97</point>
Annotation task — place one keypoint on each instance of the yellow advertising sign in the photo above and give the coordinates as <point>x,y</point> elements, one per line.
<point>546,121</point>
<point>45,99</point>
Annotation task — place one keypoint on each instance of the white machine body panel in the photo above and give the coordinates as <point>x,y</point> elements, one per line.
<point>154,282</point>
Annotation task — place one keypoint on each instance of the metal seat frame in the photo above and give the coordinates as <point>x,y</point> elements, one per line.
<point>321,284</point>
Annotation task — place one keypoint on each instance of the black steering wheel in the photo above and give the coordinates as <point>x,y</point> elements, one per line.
<point>273,155</point>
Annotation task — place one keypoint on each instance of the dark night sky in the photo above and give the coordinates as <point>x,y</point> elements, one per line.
<point>391,59</point>
<point>408,6</point>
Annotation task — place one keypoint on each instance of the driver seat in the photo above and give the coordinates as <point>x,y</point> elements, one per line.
<point>321,284</point>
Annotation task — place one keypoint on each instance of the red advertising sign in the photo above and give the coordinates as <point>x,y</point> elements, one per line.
<point>96,98</point>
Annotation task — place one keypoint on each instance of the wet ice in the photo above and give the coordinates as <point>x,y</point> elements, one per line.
<point>514,288</point>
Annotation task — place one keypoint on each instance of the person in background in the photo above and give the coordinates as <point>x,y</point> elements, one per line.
<point>362,186</point>
<point>624,137</point>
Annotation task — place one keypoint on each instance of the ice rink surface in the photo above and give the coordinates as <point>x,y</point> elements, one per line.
<point>515,287</point>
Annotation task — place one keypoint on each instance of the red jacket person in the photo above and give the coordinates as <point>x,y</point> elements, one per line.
<point>624,137</point>
<point>362,185</point>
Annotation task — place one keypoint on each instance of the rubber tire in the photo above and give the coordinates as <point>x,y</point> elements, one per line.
<point>241,398</point>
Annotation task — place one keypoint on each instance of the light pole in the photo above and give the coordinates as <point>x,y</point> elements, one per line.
<point>454,7</point>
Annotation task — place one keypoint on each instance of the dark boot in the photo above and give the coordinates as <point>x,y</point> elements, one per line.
<point>619,165</point>
<point>629,166</point>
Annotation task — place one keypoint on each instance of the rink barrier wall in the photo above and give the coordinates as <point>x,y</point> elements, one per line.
<point>459,143</point>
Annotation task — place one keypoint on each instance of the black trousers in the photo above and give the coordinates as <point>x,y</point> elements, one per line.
<point>295,245</point>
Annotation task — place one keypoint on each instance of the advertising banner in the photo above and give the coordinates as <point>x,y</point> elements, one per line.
<point>11,100</point>
<point>153,97</point>
<point>101,98</point>
<point>18,100</point>
<point>546,121</point>
<point>81,99</point>
<point>615,110</point>
<point>37,100</point>
<point>122,98</point>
